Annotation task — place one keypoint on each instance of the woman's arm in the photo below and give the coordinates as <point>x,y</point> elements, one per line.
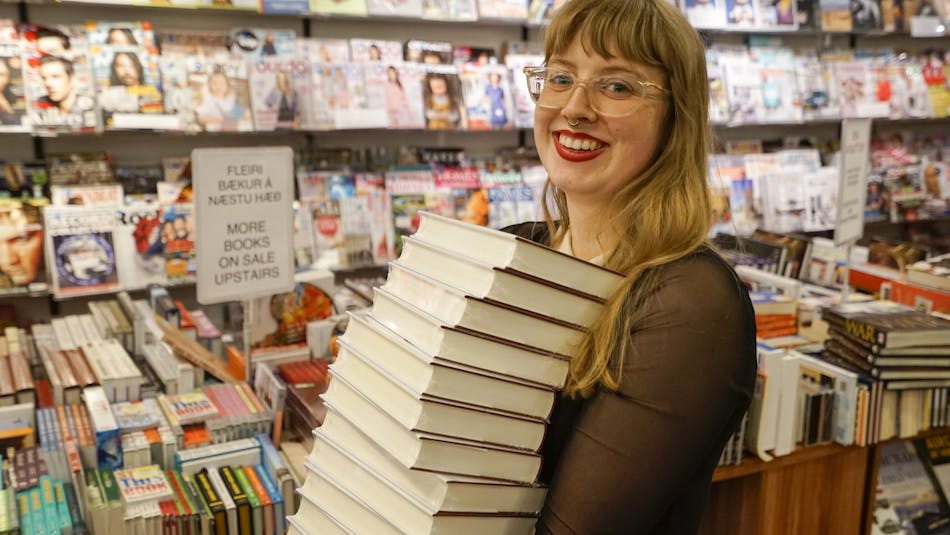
<point>651,447</point>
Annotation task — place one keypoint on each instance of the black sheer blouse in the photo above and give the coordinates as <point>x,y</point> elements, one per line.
<point>640,460</point>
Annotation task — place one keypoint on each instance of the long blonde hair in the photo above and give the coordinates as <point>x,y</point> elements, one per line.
<point>663,214</point>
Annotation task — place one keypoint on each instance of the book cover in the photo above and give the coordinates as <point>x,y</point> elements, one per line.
<point>888,324</point>
<point>12,92</point>
<point>57,74</point>
<point>280,321</point>
<point>140,246</point>
<point>22,263</point>
<point>80,246</point>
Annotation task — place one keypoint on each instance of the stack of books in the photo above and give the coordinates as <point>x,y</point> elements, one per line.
<point>776,315</point>
<point>905,351</point>
<point>440,395</point>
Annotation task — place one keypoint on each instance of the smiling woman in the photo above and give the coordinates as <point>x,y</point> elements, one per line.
<point>662,380</point>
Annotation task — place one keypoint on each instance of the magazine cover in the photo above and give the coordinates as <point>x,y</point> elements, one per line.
<point>508,205</point>
<point>12,99</point>
<point>210,45</point>
<point>323,50</point>
<point>857,95</point>
<point>816,89</point>
<point>129,86</point>
<point>780,101</point>
<point>449,10</point>
<point>740,14</point>
<point>327,233</point>
<point>474,54</point>
<point>221,97</point>
<point>138,33</point>
<point>72,168</point>
<point>371,111</point>
<point>934,71</point>
<point>319,95</point>
<point>356,219</point>
<point>177,233</point>
<point>80,250</point>
<point>403,96</point>
<point>521,98</point>
<point>254,43</point>
<point>718,99</point>
<point>274,96</point>
<point>705,13</point>
<point>503,9</point>
<point>22,266</point>
<point>279,322</point>
<point>487,97</point>
<point>904,492</point>
<point>339,7</point>
<point>821,194</point>
<point>60,88</point>
<point>783,201</point>
<point>140,246</point>
<point>395,8</point>
<point>87,195</point>
<point>776,15</point>
<point>442,98</point>
<point>375,51</point>
<point>935,177</point>
<point>743,87</point>
<point>430,52</point>
<point>866,15</point>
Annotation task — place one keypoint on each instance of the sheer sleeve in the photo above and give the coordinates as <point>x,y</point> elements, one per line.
<point>637,458</point>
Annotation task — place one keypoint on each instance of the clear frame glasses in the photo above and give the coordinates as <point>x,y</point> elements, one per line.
<point>614,95</point>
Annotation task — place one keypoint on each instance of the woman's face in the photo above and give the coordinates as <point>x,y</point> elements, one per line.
<point>125,70</point>
<point>437,85</point>
<point>218,85</point>
<point>618,149</point>
<point>392,75</point>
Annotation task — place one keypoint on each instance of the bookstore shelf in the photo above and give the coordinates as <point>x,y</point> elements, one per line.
<point>753,465</point>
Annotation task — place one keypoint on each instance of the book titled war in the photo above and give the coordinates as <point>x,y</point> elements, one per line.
<point>888,324</point>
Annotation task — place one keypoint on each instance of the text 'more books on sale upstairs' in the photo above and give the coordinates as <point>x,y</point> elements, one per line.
<point>504,250</point>
<point>888,324</point>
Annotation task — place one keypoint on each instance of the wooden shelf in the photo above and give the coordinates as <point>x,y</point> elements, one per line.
<point>754,465</point>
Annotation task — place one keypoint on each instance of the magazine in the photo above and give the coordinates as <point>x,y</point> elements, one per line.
<point>449,10</point>
<point>339,7</point>
<point>60,88</point>
<point>324,51</point>
<point>209,45</point>
<point>705,13</point>
<point>254,43</point>
<point>140,246</point>
<point>487,96</point>
<point>129,87</point>
<point>521,98</point>
<point>22,266</point>
<point>221,97</point>
<point>13,117</point>
<point>403,96</point>
<point>442,98</point>
<point>276,100</point>
<point>375,51</point>
<point>80,250</point>
<point>503,9</point>
<point>121,34</point>
<point>431,52</point>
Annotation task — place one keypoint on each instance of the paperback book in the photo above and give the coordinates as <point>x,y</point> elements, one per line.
<point>80,248</point>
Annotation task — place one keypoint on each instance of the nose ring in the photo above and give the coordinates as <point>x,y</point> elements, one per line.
<point>573,124</point>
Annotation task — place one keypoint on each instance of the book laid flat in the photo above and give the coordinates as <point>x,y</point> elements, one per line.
<point>455,309</point>
<point>888,324</point>
<point>310,518</point>
<point>875,351</point>
<point>427,451</point>
<point>442,378</point>
<point>481,279</point>
<point>419,412</point>
<point>434,491</point>
<point>502,249</point>
<point>361,517</point>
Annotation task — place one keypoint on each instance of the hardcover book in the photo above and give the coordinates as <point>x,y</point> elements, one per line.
<point>889,324</point>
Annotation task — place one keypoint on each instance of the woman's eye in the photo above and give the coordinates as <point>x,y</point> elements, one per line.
<point>617,88</point>
<point>560,80</point>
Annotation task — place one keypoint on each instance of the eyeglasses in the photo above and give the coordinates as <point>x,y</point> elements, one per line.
<point>615,95</point>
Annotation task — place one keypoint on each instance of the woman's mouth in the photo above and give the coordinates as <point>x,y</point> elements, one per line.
<point>577,147</point>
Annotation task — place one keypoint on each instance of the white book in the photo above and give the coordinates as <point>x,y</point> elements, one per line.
<point>433,491</point>
<point>90,328</point>
<point>419,412</point>
<point>406,515</point>
<point>352,515</point>
<point>481,279</point>
<point>64,337</point>
<point>315,519</point>
<point>76,329</point>
<point>502,249</point>
<point>434,338</point>
<point>425,451</point>
<point>763,412</point>
<point>441,378</point>
<point>455,309</point>
<point>230,508</point>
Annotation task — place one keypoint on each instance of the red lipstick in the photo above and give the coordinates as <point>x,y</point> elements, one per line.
<point>572,155</point>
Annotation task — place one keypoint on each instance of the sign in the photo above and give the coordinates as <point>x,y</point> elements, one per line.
<point>852,182</point>
<point>244,219</point>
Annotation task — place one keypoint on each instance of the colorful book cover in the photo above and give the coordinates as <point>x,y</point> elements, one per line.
<point>178,237</point>
<point>487,97</point>
<point>22,267</point>
<point>403,96</point>
<point>221,97</point>
<point>276,101</point>
<point>247,44</point>
<point>57,74</point>
<point>80,248</point>
<point>442,98</point>
<point>339,7</point>
<point>375,51</point>
<point>140,246</point>
<point>279,322</point>
<point>395,8</point>
<point>13,117</point>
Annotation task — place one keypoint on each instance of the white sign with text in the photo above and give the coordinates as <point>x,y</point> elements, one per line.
<point>852,182</point>
<point>244,222</point>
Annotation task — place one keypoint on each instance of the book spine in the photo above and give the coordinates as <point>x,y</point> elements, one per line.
<point>239,498</point>
<point>215,504</point>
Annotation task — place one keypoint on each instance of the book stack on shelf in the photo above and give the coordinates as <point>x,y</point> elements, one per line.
<point>440,394</point>
<point>905,351</point>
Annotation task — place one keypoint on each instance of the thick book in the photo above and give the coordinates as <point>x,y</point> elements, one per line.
<point>507,250</point>
<point>420,412</point>
<point>426,451</point>
<point>888,324</point>
<point>440,378</point>
<point>456,309</point>
<point>912,356</point>
<point>434,491</point>
<point>481,279</point>
<point>431,336</point>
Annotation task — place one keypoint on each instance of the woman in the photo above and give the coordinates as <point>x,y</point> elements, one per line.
<point>397,103</point>
<point>283,99</point>
<point>126,70</point>
<point>662,380</point>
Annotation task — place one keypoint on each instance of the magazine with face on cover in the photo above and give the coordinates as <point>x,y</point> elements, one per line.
<point>13,117</point>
